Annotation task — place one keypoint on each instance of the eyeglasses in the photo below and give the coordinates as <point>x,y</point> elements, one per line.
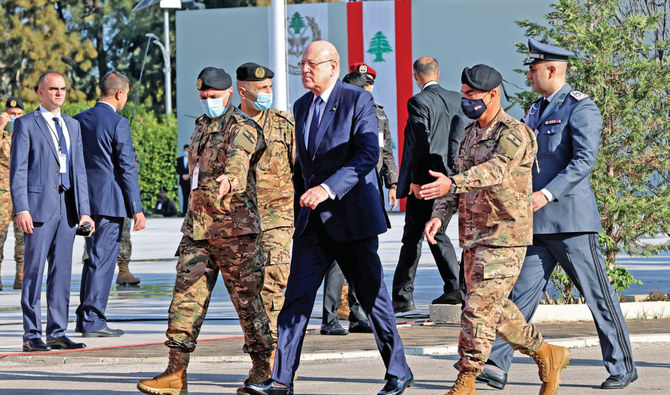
<point>312,65</point>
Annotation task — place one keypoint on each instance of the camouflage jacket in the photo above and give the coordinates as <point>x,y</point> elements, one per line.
<point>5,142</point>
<point>493,185</point>
<point>386,165</point>
<point>274,170</point>
<point>230,146</point>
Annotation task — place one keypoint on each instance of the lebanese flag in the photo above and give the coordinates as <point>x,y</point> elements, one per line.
<point>379,33</point>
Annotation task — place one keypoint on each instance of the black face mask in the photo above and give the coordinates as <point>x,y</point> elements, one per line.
<point>473,108</point>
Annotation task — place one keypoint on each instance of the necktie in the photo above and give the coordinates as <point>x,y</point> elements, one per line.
<point>314,125</point>
<point>64,178</point>
<point>543,105</point>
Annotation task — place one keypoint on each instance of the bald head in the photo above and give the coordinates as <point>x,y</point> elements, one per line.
<point>426,69</point>
<point>320,66</point>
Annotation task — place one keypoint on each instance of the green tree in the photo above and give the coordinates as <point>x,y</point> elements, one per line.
<point>379,45</point>
<point>297,23</point>
<point>620,65</point>
<point>33,40</point>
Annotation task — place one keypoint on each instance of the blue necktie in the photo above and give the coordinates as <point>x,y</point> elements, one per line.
<point>314,126</point>
<point>64,178</point>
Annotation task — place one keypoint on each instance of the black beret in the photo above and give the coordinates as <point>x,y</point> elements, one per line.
<point>481,77</point>
<point>251,71</point>
<point>14,102</point>
<point>213,78</point>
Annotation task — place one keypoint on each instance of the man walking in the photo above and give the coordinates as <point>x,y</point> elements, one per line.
<point>114,195</point>
<point>184,179</point>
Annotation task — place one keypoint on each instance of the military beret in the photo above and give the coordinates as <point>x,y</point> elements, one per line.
<point>251,71</point>
<point>539,51</point>
<point>213,78</point>
<point>481,77</point>
<point>363,68</point>
<point>14,102</point>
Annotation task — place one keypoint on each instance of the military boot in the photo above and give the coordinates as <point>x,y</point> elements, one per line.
<point>550,361</point>
<point>464,385</point>
<point>259,373</point>
<point>18,280</point>
<point>125,277</point>
<point>173,380</point>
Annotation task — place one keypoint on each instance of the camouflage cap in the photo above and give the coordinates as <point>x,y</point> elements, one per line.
<point>251,71</point>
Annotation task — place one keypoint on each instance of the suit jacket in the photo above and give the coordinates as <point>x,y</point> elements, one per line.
<point>181,170</point>
<point>33,172</point>
<point>434,130</point>
<point>568,138</point>
<point>347,149</point>
<point>114,190</point>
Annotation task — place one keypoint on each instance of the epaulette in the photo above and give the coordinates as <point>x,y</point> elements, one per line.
<point>579,96</point>
<point>378,105</point>
<point>283,114</point>
<point>200,119</point>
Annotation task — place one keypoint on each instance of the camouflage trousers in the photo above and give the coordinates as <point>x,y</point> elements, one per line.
<point>276,245</point>
<point>126,248</point>
<point>240,261</point>
<point>490,274</point>
<point>7,216</point>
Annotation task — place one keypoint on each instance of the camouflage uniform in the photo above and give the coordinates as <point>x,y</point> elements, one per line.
<point>221,235</point>
<point>126,247</point>
<point>6,209</point>
<point>493,198</point>
<point>275,203</point>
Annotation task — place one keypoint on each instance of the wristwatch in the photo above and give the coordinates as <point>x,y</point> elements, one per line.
<point>393,186</point>
<point>453,186</point>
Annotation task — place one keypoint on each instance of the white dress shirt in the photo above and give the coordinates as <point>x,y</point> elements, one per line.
<point>324,96</point>
<point>49,118</point>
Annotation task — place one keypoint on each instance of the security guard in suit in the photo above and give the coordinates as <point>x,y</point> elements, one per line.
<point>566,222</point>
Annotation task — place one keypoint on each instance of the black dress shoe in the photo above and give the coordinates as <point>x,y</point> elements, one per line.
<point>359,327</point>
<point>64,343</point>
<point>268,387</point>
<point>402,307</point>
<point>104,332</point>
<point>396,386</point>
<point>618,381</point>
<point>493,378</point>
<point>35,345</point>
<point>451,297</point>
<point>333,329</point>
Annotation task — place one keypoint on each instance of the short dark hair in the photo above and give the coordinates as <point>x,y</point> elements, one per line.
<point>358,79</point>
<point>186,145</point>
<point>113,82</point>
<point>427,66</point>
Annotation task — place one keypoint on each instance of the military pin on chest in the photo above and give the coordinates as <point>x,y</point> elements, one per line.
<point>552,122</point>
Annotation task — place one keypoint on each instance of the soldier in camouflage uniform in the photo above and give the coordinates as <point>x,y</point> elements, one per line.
<point>274,187</point>
<point>13,110</point>
<point>492,193</point>
<point>220,235</point>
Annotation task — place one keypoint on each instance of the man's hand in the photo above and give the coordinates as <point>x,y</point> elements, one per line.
<point>313,197</point>
<point>431,229</point>
<point>224,186</point>
<point>24,221</point>
<point>437,188</point>
<point>184,177</point>
<point>415,189</point>
<point>87,218</point>
<point>140,221</point>
<point>4,120</point>
<point>393,200</point>
<point>539,200</point>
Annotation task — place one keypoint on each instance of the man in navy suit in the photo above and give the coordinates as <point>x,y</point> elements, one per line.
<point>338,216</point>
<point>50,197</point>
<point>114,194</point>
<point>565,220</point>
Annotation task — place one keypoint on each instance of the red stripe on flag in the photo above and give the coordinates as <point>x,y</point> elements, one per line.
<point>403,69</point>
<point>354,34</point>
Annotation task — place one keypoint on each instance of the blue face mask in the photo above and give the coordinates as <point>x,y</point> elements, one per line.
<point>12,119</point>
<point>473,108</point>
<point>214,108</point>
<point>263,101</point>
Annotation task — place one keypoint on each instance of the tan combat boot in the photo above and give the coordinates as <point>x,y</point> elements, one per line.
<point>125,277</point>
<point>18,280</point>
<point>464,385</point>
<point>173,380</point>
<point>550,360</point>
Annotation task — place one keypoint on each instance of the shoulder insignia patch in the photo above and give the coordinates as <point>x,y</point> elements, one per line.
<point>579,96</point>
<point>514,139</point>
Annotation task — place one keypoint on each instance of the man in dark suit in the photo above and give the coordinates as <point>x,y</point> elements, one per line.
<point>184,179</point>
<point>338,216</point>
<point>566,222</point>
<point>434,130</point>
<point>114,195</point>
<point>50,197</point>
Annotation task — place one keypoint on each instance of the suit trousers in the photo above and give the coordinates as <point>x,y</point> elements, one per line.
<point>185,194</point>
<point>96,276</point>
<point>313,252</point>
<point>50,242</point>
<point>580,257</point>
<point>417,213</point>
<point>333,283</point>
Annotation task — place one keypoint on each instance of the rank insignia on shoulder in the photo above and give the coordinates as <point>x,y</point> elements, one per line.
<point>552,122</point>
<point>578,95</point>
